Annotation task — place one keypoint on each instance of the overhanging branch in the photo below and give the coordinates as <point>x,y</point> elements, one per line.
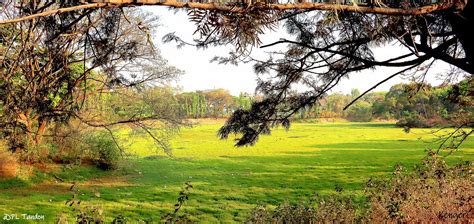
<point>228,8</point>
<point>55,11</point>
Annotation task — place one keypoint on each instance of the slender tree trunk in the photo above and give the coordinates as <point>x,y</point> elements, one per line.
<point>33,138</point>
<point>40,132</point>
<point>27,121</point>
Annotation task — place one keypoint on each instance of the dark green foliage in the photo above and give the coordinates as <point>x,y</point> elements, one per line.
<point>360,111</point>
<point>414,120</point>
<point>421,105</point>
<point>12,183</point>
<point>104,151</point>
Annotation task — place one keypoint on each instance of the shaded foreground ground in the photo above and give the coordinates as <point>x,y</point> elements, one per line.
<point>228,181</point>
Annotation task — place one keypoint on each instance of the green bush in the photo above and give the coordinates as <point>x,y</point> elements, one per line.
<point>416,120</point>
<point>104,151</point>
<point>360,112</point>
<point>68,144</point>
<point>413,120</point>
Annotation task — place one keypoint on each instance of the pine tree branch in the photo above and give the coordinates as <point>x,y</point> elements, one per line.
<point>220,7</point>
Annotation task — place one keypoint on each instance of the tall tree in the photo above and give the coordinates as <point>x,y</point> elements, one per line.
<point>49,66</point>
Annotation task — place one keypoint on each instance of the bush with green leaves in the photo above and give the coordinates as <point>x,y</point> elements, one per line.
<point>68,150</point>
<point>360,112</point>
<point>104,151</point>
<point>413,120</point>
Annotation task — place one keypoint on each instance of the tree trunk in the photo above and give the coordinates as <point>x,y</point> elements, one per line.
<point>40,132</point>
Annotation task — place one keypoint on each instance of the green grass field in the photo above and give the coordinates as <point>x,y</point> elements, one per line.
<point>229,181</point>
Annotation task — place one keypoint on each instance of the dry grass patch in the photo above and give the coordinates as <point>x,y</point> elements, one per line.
<point>108,182</point>
<point>8,165</point>
<point>433,193</point>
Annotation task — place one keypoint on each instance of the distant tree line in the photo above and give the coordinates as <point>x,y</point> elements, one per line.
<point>216,103</point>
<point>412,104</point>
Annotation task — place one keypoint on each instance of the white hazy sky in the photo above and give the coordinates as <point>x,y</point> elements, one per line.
<point>200,74</point>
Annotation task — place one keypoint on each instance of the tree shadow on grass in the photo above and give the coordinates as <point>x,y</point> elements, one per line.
<point>231,184</point>
<point>269,174</point>
<point>398,144</point>
<point>357,125</point>
<point>12,183</point>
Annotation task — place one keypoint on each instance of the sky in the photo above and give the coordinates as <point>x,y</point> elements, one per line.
<point>201,74</point>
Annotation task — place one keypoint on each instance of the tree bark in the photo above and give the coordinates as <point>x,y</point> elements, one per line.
<point>219,7</point>
<point>40,132</point>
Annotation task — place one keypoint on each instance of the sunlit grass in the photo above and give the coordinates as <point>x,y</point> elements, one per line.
<point>229,181</point>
